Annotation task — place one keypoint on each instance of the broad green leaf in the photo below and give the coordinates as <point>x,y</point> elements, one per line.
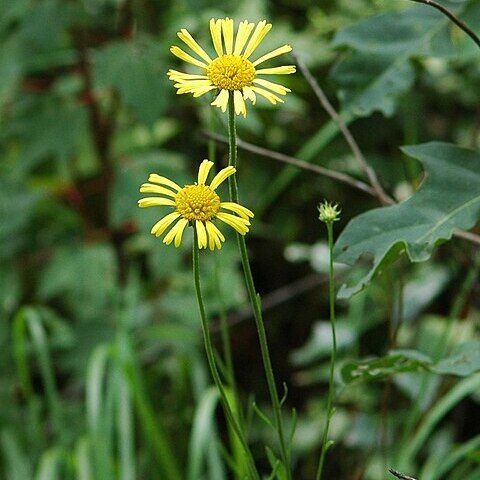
<point>449,199</point>
<point>464,360</point>
<point>379,70</point>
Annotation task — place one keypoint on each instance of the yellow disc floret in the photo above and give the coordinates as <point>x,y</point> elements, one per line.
<point>231,72</point>
<point>197,202</point>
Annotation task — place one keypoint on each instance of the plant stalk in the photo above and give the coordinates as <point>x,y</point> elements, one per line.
<point>255,298</point>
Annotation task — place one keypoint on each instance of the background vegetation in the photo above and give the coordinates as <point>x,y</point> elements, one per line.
<point>102,369</point>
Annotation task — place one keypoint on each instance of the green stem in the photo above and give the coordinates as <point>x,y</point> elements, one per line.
<point>255,298</point>
<point>224,327</point>
<point>331,388</point>
<point>212,363</point>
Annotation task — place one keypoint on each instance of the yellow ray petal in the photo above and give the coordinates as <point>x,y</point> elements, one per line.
<point>215,236</point>
<point>239,103</point>
<point>203,90</point>
<point>192,83</point>
<point>185,37</point>
<point>238,209</point>
<point>285,70</point>
<point>238,223</point>
<point>221,176</point>
<point>227,28</point>
<point>216,33</point>
<point>261,30</point>
<point>201,234</point>
<point>250,94</point>
<point>274,87</point>
<point>244,31</point>
<point>154,178</point>
<point>203,171</point>
<point>221,101</point>
<point>268,95</point>
<point>178,52</point>
<point>274,53</point>
<point>155,202</point>
<point>163,224</point>
<point>176,75</point>
<point>176,233</point>
<point>151,188</point>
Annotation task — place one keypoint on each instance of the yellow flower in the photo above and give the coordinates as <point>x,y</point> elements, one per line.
<point>231,71</point>
<point>197,205</point>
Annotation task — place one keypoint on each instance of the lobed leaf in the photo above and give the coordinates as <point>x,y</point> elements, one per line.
<point>449,199</point>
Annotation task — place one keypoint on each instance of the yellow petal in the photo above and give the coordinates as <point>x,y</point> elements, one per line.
<point>244,31</point>
<point>274,53</point>
<point>176,233</point>
<point>238,209</point>
<point>185,37</point>
<point>178,52</point>
<point>215,236</point>
<point>227,28</point>
<point>238,223</point>
<point>268,95</point>
<point>155,202</point>
<point>216,33</point>
<point>274,87</point>
<point>221,176</point>
<point>176,75</point>
<point>163,224</point>
<point>261,30</point>
<point>285,70</point>
<point>202,91</point>
<point>201,234</point>
<point>221,101</point>
<point>249,94</point>
<point>151,188</point>
<point>203,171</point>
<point>154,178</point>
<point>239,103</point>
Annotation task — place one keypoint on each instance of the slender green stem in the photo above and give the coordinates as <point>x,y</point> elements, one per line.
<point>212,363</point>
<point>224,327</point>
<point>255,299</point>
<point>331,388</point>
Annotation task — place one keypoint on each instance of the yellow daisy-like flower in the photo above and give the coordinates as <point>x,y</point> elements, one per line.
<point>197,205</point>
<point>231,71</point>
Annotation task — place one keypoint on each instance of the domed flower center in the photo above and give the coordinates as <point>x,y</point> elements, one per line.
<point>197,202</point>
<point>231,72</point>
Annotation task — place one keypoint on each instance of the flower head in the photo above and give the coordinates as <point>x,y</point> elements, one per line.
<point>197,205</point>
<point>329,212</point>
<point>232,71</point>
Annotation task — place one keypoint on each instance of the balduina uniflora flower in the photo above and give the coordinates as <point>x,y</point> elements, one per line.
<point>198,205</point>
<point>231,71</point>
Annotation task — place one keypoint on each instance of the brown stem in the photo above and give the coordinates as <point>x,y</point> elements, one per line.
<point>370,173</point>
<point>265,152</point>
<point>463,26</point>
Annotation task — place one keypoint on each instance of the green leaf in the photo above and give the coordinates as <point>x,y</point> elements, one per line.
<point>449,199</point>
<point>383,367</point>
<point>464,361</point>
<point>379,70</point>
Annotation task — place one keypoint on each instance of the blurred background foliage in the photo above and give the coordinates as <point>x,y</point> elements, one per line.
<point>102,371</point>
